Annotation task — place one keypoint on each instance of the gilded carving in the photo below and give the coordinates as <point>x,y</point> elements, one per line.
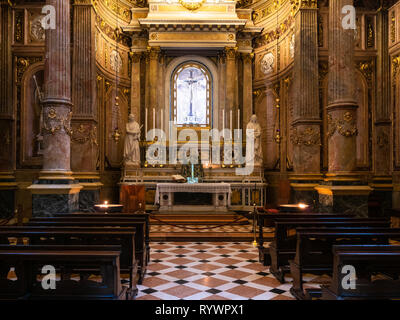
<point>83,135</point>
<point>393,27</point>
<point>192,5</point>
<point>309,137</point>
<point>243,3</point>
<point>231,52</point>
<point>370,33</point>
<point>112,33</point>
<point>395,67</point>
<point>23,63</point>
<point>367,69</point>
<point>345,126</point>
<point>273,35</point>
<point>19,26</point>
<point>54,122</point>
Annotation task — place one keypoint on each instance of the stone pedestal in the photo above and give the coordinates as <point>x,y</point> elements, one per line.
<point>89,195</point>
<point>54,196</point>
<point>344,194</point>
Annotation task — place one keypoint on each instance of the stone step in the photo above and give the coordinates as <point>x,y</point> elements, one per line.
<point>198,218</point>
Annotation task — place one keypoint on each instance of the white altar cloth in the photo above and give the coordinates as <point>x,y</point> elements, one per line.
<point>193,187</point>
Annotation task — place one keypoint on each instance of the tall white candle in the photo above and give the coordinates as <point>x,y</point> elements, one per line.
<point>162,119</point>
<point>145,122</point>
<point>223,119</point>
<point>154,118</point>
<point>154,122</point>
<point>238,119</point>
<point>230,120</point>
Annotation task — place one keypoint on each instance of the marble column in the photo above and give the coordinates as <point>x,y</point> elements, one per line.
<point>222,96</point>
<point>247,89</point>
<point>382,180</point>
<point>343,191</point>
<point>135,84</point>
<point>154,53</point>
<point>84,143</point>
<point>342,106</point>
<point>306,123</point>
<point>56,190</point>
<point>7,121</point>
<point>230,88</point>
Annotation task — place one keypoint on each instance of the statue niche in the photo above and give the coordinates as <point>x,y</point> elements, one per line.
<point>32,117</point>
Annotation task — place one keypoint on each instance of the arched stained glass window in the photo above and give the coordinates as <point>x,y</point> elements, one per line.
<point>191,95</point>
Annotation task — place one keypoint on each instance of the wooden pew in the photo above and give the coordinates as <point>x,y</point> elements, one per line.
<point>265,219</point>
<point>138,214</point>
<point>124,237</point>
<point>314,251</point>
<point>138,223</point>
<point>283,247</point>
<point>28,261</point>
<point>367,260</point>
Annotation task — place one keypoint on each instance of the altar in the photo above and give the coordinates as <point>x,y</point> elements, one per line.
<point>193,196</point>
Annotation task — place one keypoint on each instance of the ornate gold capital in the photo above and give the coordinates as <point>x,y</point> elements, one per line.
<point>231,52</point>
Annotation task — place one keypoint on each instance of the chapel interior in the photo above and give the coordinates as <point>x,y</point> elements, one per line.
<point>200,149</point>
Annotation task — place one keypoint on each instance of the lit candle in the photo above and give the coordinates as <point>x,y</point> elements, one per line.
<point>302,206</point>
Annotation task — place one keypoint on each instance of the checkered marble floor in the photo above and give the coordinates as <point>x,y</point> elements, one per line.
<point>210,271</point>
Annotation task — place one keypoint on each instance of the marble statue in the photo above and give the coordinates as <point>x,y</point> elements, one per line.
<point>257,155</point>
<point>131,149</point>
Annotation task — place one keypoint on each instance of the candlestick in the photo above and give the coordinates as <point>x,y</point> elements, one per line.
<point>223,119</point>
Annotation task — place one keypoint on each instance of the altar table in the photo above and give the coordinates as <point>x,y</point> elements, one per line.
<point>220,196</point>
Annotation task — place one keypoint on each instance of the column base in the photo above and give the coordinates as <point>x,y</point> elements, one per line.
<point>50,197</point>
<point>8,188</point>
<point>343,197</point>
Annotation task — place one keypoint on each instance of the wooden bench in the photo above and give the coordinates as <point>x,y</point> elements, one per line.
<point>138,223</point>
<point>113,215</point>
<point>314,251</point>
<point>28,262</point>
<point>267,220</point>
<point>283,247</point>
<point>124,237</point>
<point>367,260</point>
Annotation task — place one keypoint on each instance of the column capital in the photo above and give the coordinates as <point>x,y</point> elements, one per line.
<point>153,52</point>
<point>231,52</point>
<point>247,57</point>
<point>135,56</point>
